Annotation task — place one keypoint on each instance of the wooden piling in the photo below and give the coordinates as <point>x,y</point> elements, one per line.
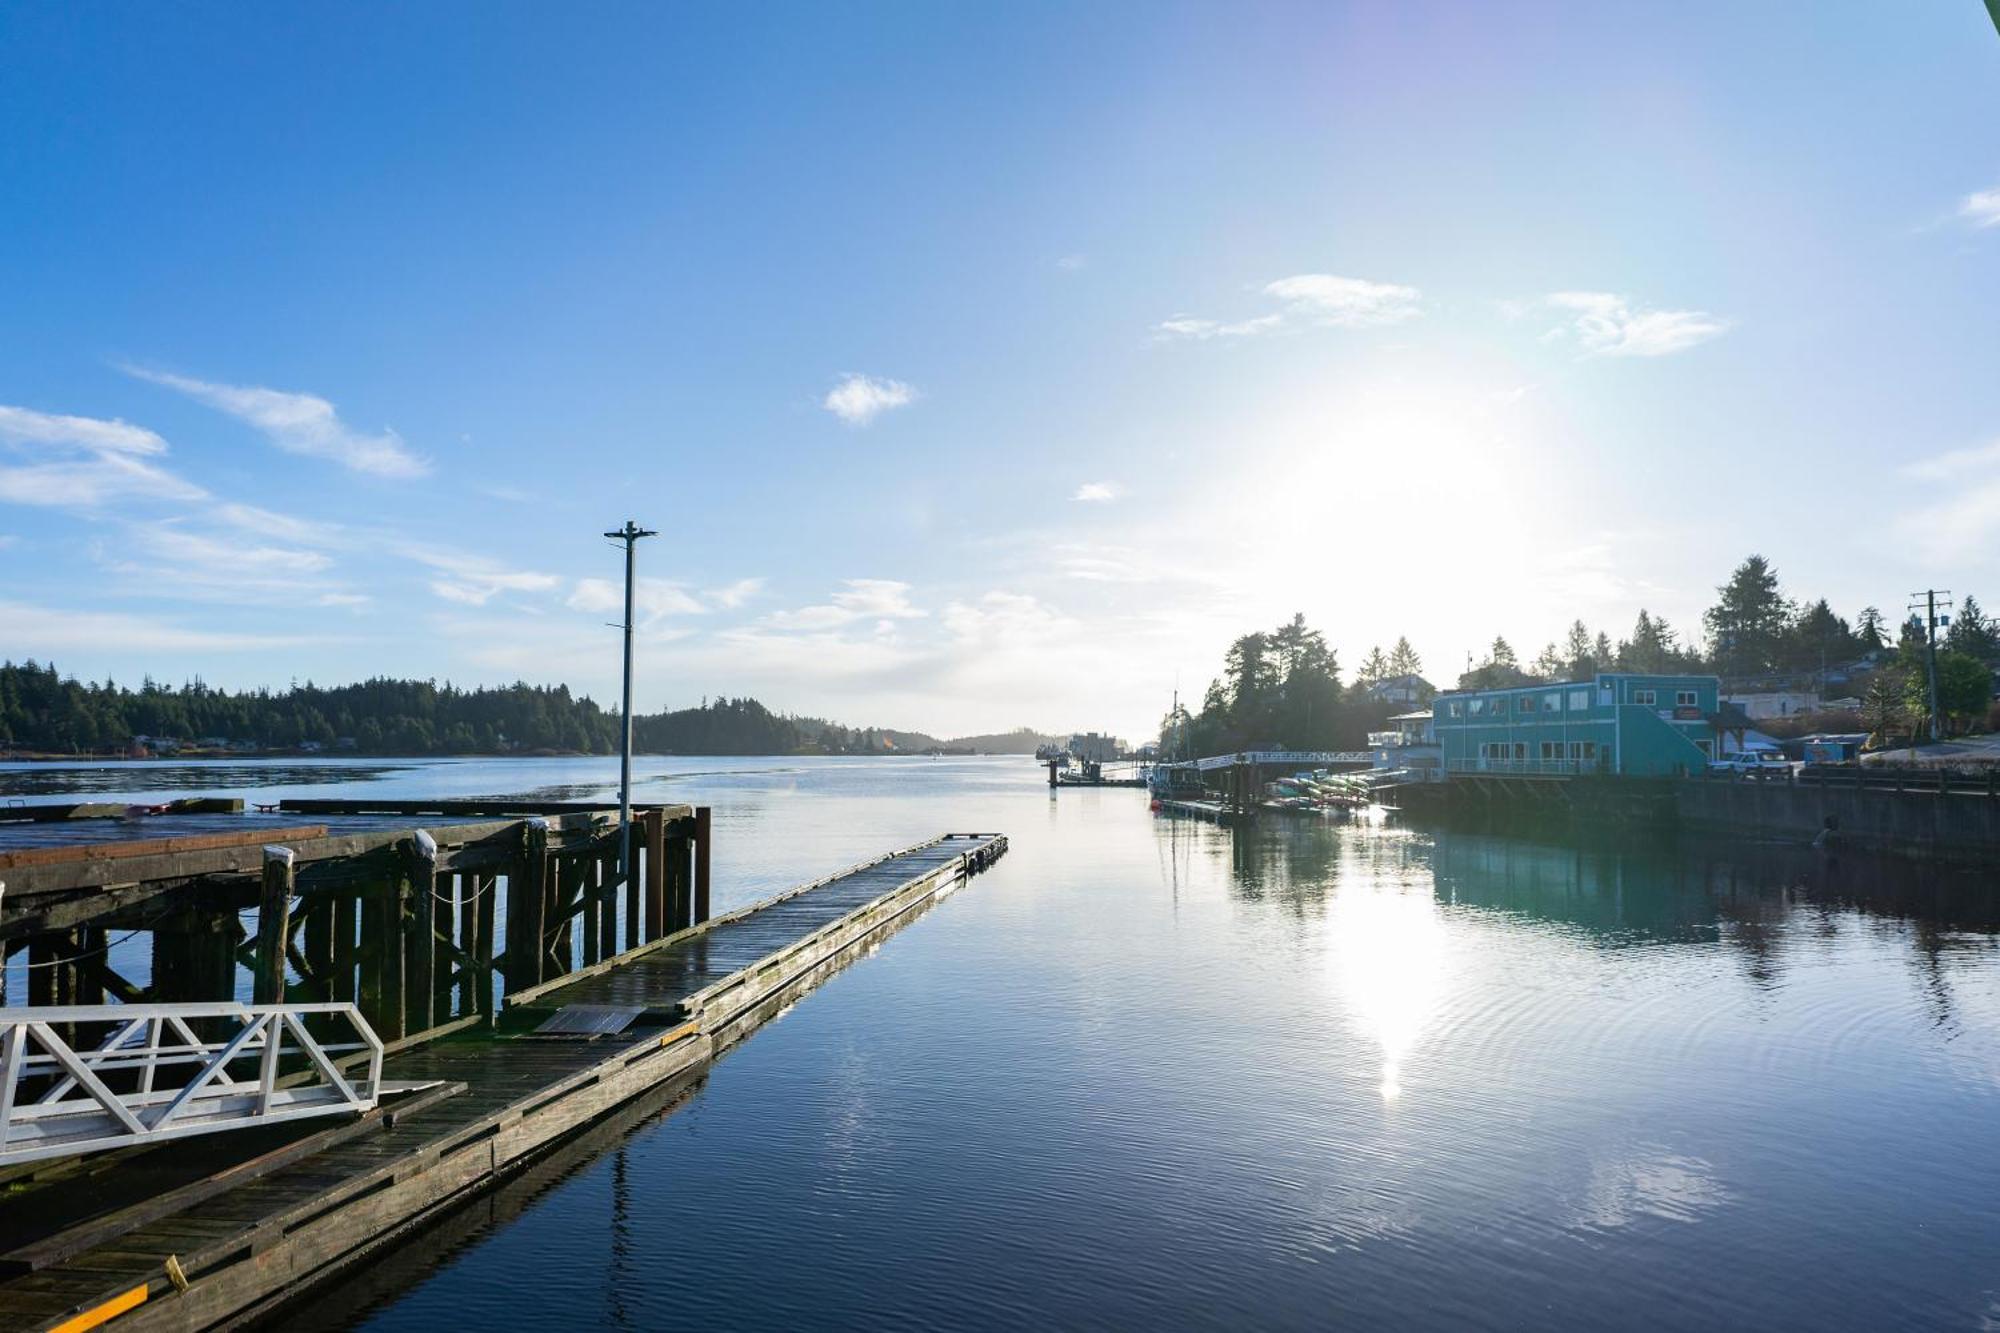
<point>274,925</point>
<point>656,877</point>
<point>419,881</point>
<point>701,840</point>
<point>680,876</point>
<point>527,911</point>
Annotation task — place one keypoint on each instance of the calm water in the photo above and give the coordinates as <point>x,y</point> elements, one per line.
<point>1153,1074</point>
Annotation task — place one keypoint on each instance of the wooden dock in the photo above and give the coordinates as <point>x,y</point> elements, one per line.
<point>229,1228</point>
<point>1216,812</point>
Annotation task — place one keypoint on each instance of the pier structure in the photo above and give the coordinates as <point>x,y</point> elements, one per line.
<point>515,992</point>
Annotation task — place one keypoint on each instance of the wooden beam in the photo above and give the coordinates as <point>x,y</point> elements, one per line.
<point>199,842</point>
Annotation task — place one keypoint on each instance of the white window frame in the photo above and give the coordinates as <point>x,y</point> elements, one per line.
<point>1646,698</point>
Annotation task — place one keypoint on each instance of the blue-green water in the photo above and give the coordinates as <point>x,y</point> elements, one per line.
<point>1147,1073</point>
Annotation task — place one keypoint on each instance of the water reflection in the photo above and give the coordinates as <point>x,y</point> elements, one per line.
<point>1388,964</point>
<point>186,779</point>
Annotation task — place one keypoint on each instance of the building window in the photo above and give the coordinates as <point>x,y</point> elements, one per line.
<point>1552,702</point>
<point>1685,699</point>
<point>1579,701</point>
<point>1456,708</point>
<point>1521,750</point>
<point>1526,703</point>
<point>1477,706</point>
<point>1590,751</point>
<point>1646,697</point>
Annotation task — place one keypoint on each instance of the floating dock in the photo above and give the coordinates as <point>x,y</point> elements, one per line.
<point>229,1228</point>
<point>1217,812</point>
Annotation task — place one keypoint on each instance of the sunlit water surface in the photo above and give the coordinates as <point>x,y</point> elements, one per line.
<point>1318,1074</point>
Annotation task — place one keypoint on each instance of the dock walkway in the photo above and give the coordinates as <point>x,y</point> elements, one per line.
<point>260,1224</point>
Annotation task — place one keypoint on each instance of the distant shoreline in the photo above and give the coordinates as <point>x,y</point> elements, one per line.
<point>209,757</point>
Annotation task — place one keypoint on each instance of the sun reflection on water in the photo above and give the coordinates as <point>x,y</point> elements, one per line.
<point>1387,960</point>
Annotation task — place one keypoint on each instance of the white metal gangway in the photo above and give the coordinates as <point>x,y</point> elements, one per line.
<point>151,1076</point>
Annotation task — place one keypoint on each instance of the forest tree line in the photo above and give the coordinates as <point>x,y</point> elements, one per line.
<point>1283,687</point>
<point>44,712</point>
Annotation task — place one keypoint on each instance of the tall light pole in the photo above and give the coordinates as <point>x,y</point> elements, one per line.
<point>630,535</point>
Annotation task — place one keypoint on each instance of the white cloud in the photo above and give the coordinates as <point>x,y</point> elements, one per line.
<point>1981,208</point>
<point>1606,324</point>
<point>299,423</point>
<point>1189,326</point>
<point>284,527</point>
<point>51,630</point>
<point>1324,298</point>
<point>472,580</point>
<point>19,425</point>
<point>174,543</point>
<point>1311,300</point>
<point>1955,462</point>
<point>858,599</point>
<point>859,399</point>
<point>1961,519</point>
<point>652,599</point>
<point>1071,263</point>
<point>732,595</point>
<point>83,462</point>
<point>1098,492</point>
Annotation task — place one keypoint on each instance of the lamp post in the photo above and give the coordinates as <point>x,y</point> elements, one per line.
<point>630,535</point>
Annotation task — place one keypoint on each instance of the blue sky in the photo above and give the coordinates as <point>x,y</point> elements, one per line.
<point>977,366</point>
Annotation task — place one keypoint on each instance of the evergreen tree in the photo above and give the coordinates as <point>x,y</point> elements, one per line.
<point>1403,659</point>
<point>1373,668</point>
<point>1748,621</point>
<point>1551,665</point>
<point>1580,657</point>
<point>1972,633</point>
<point>1868,635</point>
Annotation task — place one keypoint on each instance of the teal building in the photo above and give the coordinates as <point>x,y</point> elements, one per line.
<point>1627,725</point>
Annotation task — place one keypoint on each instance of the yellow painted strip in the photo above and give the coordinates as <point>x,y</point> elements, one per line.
<point>110,1310</point>
<point>673,1035</point>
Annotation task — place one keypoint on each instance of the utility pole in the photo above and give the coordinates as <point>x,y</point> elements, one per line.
<point>1929,606</point>
<point>630,535</point>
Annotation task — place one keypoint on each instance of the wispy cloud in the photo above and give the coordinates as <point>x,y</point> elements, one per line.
<point>1981,208</point>
<point>83,462</point>
<point>1606,324</point>
<point>1071,263</point>
<point>1955,462</point>
<point>1959,517</point>
<point>1323,298</point>
<point>732,595</point>
<point>1308,300</point>
<point>182,559</point>
<point>299,423</point>
<point>859,399</point>
<point>61,630</point>
<point>472,580</point>
<point>858,599</point>
<point>1098,492</point>
<point>652,599</point>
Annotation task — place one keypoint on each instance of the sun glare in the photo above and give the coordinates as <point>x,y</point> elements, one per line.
<point>1387,966</point>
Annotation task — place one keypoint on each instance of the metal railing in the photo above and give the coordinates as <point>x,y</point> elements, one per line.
<point>151,1076</point>
<point>1520,767</point>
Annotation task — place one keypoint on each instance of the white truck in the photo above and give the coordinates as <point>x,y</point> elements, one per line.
<point>1753,764</point>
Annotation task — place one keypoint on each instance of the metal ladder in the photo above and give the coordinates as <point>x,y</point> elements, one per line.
<point>150,1077</point>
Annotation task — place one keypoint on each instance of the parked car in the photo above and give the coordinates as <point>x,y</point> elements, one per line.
<point>1754,764</point>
